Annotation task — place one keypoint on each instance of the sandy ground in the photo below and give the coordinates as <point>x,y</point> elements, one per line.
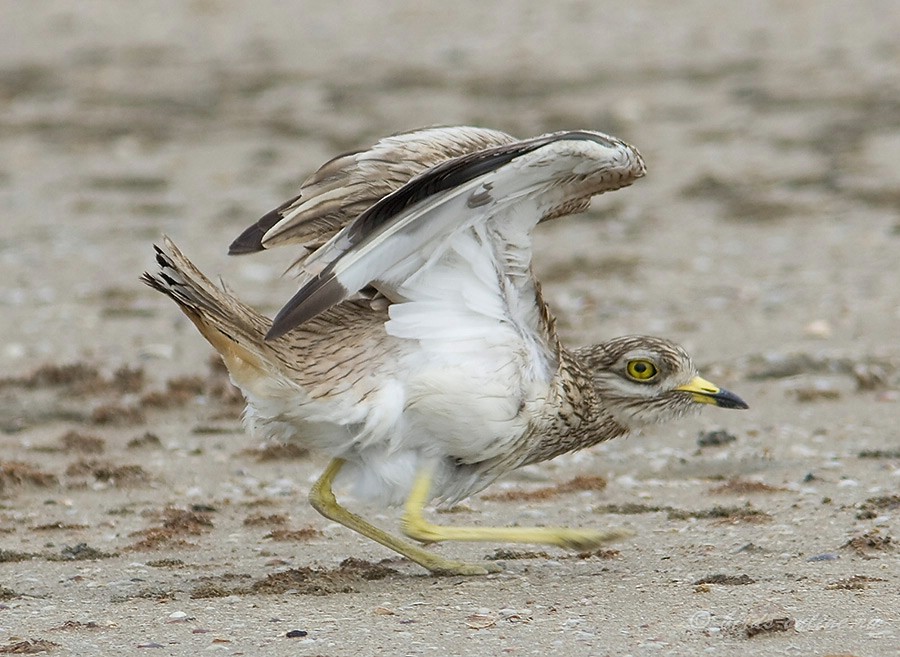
<point>136,514</point>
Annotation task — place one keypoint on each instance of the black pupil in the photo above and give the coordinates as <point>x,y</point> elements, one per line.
<point>640,368</point>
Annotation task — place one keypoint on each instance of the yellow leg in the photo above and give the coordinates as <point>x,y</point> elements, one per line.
<point>417,527</point>
<point>322,499</point>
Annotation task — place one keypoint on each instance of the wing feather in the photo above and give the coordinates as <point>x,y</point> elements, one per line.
<point>345,186</point>
<point>507,189</point>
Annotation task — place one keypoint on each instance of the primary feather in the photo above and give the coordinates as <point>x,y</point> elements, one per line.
<point>350,183</point>
<point>496,196</point>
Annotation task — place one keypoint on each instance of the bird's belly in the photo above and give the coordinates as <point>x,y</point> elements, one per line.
<point>402,413</point>
<point>464,414</point>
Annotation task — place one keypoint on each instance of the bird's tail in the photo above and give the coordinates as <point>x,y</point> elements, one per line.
<point>234,329</point>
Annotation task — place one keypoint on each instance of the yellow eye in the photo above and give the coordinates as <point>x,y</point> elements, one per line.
<point>641,370</point>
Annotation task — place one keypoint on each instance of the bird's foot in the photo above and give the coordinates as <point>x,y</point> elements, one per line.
<point>464,569</point>
<point>584,540</point>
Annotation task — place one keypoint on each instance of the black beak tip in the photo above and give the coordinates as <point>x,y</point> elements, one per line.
<point>727,399</point>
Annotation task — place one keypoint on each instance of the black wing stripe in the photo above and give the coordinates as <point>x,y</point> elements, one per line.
<point>325,291</point>
<point>316,297</point>
<point>452,173</point>
<point>250,241</point>
<point>438,178</point>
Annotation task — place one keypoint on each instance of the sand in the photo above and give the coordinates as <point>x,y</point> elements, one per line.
<point>137,516</point>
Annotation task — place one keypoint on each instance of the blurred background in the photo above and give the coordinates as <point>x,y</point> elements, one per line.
<point>765,238</point>
<point>771,130</point>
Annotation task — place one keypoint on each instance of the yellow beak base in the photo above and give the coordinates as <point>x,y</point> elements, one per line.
<point>705,392</point>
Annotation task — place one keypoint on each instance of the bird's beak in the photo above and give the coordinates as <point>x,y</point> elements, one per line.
<point>705,392</point>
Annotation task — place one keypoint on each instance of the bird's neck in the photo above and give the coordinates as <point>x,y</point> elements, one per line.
<point>575,417</point>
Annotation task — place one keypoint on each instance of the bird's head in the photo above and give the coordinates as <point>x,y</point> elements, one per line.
<point>645,380</point>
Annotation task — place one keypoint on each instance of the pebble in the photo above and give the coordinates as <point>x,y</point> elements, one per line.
<point>177,616</point>
<point>715,438</point>
<point>281,488</point>
<point>158,350</point>
<point>818,328</point>
<point>803,451</point>
<point>296,634</point>
<point>14,351</point>
<point>384,611</point>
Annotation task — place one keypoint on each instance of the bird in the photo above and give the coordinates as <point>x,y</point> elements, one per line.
<point>418,352</point>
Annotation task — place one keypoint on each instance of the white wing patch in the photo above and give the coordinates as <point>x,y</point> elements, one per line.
<point>508,190</point>
<point>478,365</point>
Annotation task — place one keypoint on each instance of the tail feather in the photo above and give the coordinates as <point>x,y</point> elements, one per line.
<point>234,329</point>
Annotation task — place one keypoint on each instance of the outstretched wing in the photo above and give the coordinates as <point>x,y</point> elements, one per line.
<point>350,183</point>
<point>466,219</point>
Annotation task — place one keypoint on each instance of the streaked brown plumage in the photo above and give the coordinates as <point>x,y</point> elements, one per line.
<point>348,184</point>
<point>419,352</point>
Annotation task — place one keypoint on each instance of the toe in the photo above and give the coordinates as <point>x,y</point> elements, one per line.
<point>592,540</point>
<point>466,569</point>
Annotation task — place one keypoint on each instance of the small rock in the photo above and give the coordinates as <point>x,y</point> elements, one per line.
<point>819,329</point>
<point>765,618</point>
<point>384,611</point>
<point>715,438</point>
